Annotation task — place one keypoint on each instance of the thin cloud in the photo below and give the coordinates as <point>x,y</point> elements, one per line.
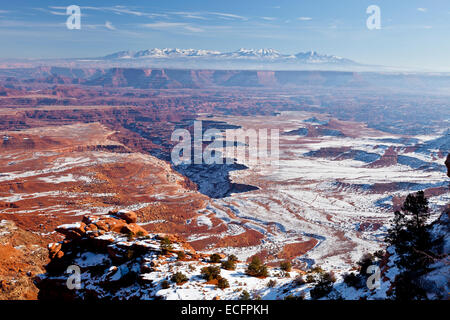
<point>172,25</point>
<point>228,15</point>
<point>123,10</point>
<point>109,26</point>
<point>119,10</point>
<point>190,15</point>
<point>304,18</point>
<point>55,13</point>
<point>422,9</point>
<point>205,15</point>
<point>269,18</point>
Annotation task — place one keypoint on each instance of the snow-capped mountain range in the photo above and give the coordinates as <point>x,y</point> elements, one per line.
<point>258,55</point>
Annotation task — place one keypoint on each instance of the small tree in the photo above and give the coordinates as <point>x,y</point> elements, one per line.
<point>215,258</point>
<point>409,233</point>
<point>256,268</point>
<point>222,283</point>
<point>324,286</point>
<point>411,237</point>
<point>179,278</point>
<point>210,273</point>
<point>416,206</point>
<point>229,265</point>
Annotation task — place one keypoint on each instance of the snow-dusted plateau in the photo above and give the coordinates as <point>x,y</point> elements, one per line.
<point>91,144</point>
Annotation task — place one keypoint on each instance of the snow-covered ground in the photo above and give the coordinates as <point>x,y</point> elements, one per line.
<point>324,198</point>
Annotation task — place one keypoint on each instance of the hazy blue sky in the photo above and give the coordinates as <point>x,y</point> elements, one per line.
<point>414,33</point>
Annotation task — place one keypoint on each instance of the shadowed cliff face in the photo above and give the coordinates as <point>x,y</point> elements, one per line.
<point>447,163</point>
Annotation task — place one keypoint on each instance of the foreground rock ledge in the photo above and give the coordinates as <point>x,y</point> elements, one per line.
<point>111,246</point>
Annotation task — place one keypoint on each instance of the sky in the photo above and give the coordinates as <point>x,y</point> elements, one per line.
<point>413,33</point>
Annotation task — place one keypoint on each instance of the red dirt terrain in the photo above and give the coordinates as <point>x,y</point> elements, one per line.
<point>22,257</point>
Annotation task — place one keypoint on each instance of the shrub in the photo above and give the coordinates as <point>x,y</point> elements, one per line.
<point>232,258</point>
<point>365,261</point>
<point>317,269</point>
<point>299,281</point>
<point>165,284</point>
<point>229,265</point>
<point>324,286</point>
<point>352,280</point>
<point>140,234</point>
<point>244,295</point>
<point>210,273</point>
<point>272,283</point>
<point>214,258</point>
<point>256,268</point>
<point>292,297</point>
<point>286,266</point>
<point>181,255</point>
<point>310,278</point>
<point>166,245</point>
<point>179,278</point>
<point>222,283</point>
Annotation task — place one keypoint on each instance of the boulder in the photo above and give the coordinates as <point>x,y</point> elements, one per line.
<point>128,216</point>
<point>72,231</point>
<point>54,249</point>
<point>110,224</point>
<point>133,229</point>
<point>91,227</point>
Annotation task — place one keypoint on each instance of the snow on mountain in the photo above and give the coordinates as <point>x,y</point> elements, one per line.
<point>255,53</point>
<point>272,55</point>
<point>168,53</point>
<point>314,57</point>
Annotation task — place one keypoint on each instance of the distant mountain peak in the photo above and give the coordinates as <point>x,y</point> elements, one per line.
<point>262,55</point>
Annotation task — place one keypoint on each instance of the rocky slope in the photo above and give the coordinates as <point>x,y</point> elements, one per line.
<point>22,256</point>
<point>119,260</point>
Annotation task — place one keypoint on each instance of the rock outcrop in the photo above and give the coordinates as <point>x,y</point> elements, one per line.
<point>110,252</point>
